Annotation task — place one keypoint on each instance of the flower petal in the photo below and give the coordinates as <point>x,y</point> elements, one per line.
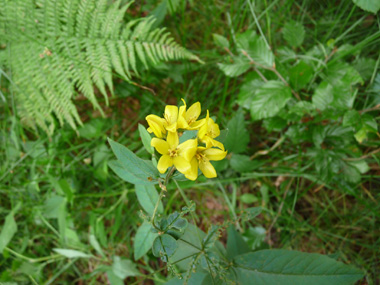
<point>181,164</point>
<point>197,125</point>
<point>192,173</point>
<point>164,163</point>
<point>188,149</point>
<point>213,129</point>
<point>156,125</point>
<point>171,114</point>
<point>193,112</point>
<point>172,140</point>
<point>217,144</point>
<point>203,130</point>
<point>207,169</point>
<point>215,154</point>
<point>181,123</point>
<point>160,145</point>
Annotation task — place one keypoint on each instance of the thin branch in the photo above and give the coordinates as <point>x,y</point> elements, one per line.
<point>362,157</point>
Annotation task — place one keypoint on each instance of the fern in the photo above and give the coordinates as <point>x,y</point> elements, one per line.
<point>59,48</point>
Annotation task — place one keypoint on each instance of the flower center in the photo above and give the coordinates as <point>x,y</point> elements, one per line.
<point>173,152</point>
<point>191,120</point>
<point>200,156</point>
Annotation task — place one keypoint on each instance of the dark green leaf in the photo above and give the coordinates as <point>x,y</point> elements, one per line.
<point>293,267</point>
<point>235,243</point>
<point>9,228</point>
<point>269,100</point>
<point>275,124</point>
<point>211,237</point>
<point>164,246</point>
<point>248,198</point>
<point>300,75</point>
<point>237,137</point>
<point>148,196</point>
<point>251,213</point>
<point>323,96</point>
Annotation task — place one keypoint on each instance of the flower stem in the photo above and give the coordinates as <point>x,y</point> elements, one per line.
<point>163,191</point>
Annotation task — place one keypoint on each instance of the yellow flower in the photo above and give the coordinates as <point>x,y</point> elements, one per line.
<point>208,132</point>
<point>156,125</point>
<point>187,119</point>
<point>202,159</point>
<point>174,153</point>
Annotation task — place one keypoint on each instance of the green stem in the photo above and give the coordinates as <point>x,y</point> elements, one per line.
<point>163,190</point>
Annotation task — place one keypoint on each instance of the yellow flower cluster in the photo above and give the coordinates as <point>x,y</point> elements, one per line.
<point>189,155</point>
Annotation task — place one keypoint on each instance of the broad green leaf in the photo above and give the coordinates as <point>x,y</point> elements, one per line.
<point>71,253</point>
<point>211,237</point>
<point>242,163</point>
<point>351,119</point>
<point>148,197</point>
<point>255,237</point>
<point>323,96</point>
<point>367,125</point>
<point>140,169</point>
<point>124,174</point>
<point>300,75</point>
<point>164,246</point>
<point>143,240</point>
<point>269,100</point>
<point>53,206</point>
<point>351,173</point>
<point>293,267</point>
<point>220,41</point>
<point>248,89</point>
<point>294,33</point>
<point>255,48</point>
<point>238,67</point>
<point>123,268</point>
<point>237,137</point>
<point>9,228</point>
<point>146,138</point>
<point>365,67</point>
<point>187,135</point>
<point>372,6</point>
<point>196,278</point>
<point>235,243</point>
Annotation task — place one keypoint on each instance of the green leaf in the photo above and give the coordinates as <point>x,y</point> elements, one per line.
<point>148,196</point>
<point>9,228</point>
<point>211,236</point>
<point>242,163</point>
<point>238,67</point>
<point>293,267</point>
<point>251,213</point>
<point>237,137</point>
<point>351,119</point>
<point>187,135</point>
<point>220,41</point>
<point>248,198</point>
<point>294,33</point>
<point>300,75</point>
<point>235,243</point>
<point>114,279</point>
<point>248,89</point>
<point>146,138</point>
<point>164,246</point>
<point>71,253</point>
<point>141,170</point>
<point>372,6</point>
<point>276,124</point>
<point>269,100</point>
<point>143,240</point>
<point>256,48</point>
<point>95,244</point>
<point>323,96</point>
<point>123,268</point>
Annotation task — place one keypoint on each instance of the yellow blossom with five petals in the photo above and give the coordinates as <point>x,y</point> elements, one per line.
<point>174,153</point>
<point>208,132</point>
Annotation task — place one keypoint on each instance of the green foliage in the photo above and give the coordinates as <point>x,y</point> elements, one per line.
<point>60,48</point>
<point>294,33</point>
<point>368,5</point>
<point>292,267</point>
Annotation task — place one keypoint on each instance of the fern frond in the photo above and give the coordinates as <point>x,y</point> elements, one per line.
<point>58,48</point>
